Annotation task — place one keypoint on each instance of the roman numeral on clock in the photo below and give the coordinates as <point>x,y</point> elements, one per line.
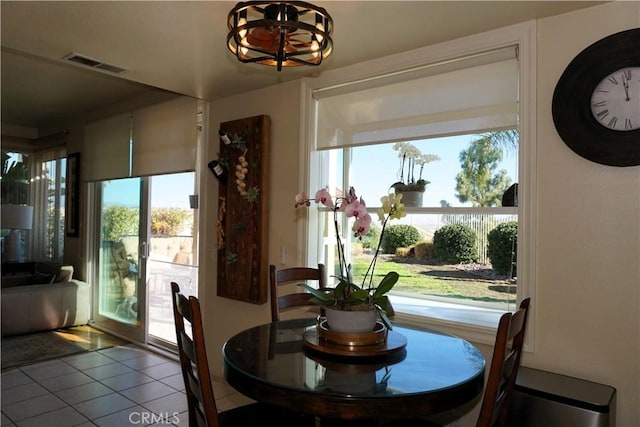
<point>627,124</point>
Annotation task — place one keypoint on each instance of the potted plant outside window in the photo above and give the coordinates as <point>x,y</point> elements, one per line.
<point>411,157</point>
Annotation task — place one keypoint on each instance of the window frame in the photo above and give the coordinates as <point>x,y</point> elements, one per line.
<point>46,172</point>
<point>524,37</point>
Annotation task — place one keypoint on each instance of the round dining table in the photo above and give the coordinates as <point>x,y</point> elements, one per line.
<point>415,373</point>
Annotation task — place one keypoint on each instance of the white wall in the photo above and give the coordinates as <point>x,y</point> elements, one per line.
<point>225,317</point>
<point>586,304</point>
<point>587,317</point>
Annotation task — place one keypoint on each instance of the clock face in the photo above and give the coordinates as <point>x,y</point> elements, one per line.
<point>596,102</point>
<point>615,102</point>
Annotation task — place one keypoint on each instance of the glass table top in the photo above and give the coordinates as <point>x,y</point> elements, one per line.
<point>275,354</point>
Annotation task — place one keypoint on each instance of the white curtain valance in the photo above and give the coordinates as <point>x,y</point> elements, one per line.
<point>164,138</point>
<point>469,95</point>
<point>155,140</point>
<point>106,148</point>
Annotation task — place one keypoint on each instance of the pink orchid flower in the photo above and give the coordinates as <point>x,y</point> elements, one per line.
<point>361,225</point>
<point>323,196</point>
<point>302,199</point>
<point>356,209</point>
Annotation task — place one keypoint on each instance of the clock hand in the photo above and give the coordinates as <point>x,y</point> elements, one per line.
<point>625,83</point>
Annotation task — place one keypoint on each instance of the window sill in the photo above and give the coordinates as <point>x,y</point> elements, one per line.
<point>475,324</point>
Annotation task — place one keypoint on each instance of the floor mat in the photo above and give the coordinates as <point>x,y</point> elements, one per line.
<point>22,350</point>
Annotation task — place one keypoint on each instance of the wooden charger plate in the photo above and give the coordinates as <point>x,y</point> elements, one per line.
<point>377,336</point>
<point>370,344</point>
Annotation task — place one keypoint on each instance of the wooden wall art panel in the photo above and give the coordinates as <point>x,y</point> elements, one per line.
<point>243,209</point>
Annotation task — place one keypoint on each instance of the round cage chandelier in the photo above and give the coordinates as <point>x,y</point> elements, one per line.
<point>280,33</point>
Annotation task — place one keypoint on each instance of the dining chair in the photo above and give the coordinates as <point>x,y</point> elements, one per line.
<point>201,402</point>
<point>503,371</point>
<point>284,276</point>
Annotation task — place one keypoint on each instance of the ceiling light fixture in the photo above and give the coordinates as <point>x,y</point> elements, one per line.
<point>280,33</point>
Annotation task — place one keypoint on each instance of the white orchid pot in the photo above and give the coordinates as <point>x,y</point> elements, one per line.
<point>351,321</point>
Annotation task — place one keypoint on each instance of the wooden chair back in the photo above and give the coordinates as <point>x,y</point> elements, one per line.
<point>284,276</point>
<point>197,379</point>
<point>507,352</point>
<point>193,360</point>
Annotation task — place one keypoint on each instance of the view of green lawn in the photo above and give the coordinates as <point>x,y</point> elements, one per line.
<point>441,280</point>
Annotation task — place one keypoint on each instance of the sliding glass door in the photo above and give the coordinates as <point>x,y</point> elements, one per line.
<point>121,298</point>
<point>172,250</point>
<point>147,240</point>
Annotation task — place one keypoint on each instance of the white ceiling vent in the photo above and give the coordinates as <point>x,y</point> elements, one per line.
<point>93,63</point>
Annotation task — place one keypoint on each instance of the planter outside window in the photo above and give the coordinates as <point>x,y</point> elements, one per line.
<point>411,193</point>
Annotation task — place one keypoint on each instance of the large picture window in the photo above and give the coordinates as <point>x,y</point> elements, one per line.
<point>463,196</point>
<point>460,248</point>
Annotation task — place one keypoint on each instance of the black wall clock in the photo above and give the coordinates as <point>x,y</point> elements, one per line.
<point>596,103</point>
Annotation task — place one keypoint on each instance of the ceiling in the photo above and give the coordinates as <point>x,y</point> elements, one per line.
<point>181,47</point>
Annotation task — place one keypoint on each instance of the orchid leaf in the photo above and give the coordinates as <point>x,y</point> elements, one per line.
<point>342,285</point>
<point>358,296</point>
<point>384,303</point>
<point>387,283</point>
<point>384,318</point>
<point>345,283</point>
<point>321,295</point>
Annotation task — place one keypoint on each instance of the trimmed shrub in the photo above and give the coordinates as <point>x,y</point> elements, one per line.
<point>396,236</point>
<point>424,250</point>
<point>456,244</point>
<point>502,247</point>
<point>402,252</point>
<point>168,221</point>
<point>118,221</point>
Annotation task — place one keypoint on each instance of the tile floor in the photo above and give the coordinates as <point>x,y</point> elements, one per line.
<point>124,385</point>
